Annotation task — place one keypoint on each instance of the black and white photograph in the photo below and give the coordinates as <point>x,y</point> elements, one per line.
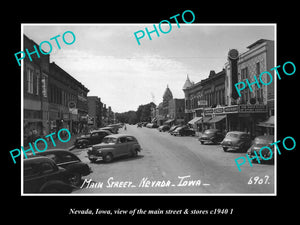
<point>140,111</point>
<point>112,114</point>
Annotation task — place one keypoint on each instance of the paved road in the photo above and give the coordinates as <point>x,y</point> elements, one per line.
<point>175,165</point>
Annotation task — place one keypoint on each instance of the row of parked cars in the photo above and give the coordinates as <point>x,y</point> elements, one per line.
<point>176,130</point>
<point>240,141</point>
<point>232,141</point>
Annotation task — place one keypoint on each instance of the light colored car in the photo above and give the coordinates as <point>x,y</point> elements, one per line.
<point>113,146</point>
<point>236,140</point>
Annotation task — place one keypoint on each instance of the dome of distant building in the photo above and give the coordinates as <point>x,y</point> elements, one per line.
<point>168,94</point>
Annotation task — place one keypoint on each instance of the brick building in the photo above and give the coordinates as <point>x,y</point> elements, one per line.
<point>67,101</point>
<point>35,93</point>
<point>95,108</point>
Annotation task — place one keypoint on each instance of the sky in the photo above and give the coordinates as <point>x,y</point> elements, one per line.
<point>107,59</point>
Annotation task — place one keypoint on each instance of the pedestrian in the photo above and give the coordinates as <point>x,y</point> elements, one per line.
<point>125,128</point>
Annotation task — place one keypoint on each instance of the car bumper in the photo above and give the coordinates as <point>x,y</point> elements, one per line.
<point>235,147</point>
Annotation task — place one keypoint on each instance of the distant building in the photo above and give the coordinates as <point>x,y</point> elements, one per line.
<point>208,93</point>
<point>95,107</point>
<point>176,110</point>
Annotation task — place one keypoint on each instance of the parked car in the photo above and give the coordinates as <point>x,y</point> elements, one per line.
<point>68,161</point>
<point>260,142</point>
<point>211,136</point>
<point>42,175</point>
<point>163,128</point>
<point>113,146</point>
<point>112,130</point>
<point>236,140</point>
<point>115,128</point>
<point>140,125</point>
<point>95,137</point>
<point>183,131</point>
<point>173,128</point>
<point>151,125</point>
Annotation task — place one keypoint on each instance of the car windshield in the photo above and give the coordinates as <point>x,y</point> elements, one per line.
<point>209,132</point>
<point>109,140</point>
<point>234,135</point>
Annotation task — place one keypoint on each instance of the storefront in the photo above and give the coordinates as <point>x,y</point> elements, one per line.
<point>244,117</point>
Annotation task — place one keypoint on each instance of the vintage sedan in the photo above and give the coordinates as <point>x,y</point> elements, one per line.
<point>95,137</point>
<point>42,175</point>
<point>211,136</point>
<point>236,140</point>
<point>258,143</point>
<point>113,146</point>
<point>68,160</point>
<point>183,131</point>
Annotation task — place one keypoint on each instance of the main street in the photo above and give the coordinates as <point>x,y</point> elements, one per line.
<point>175,165</point>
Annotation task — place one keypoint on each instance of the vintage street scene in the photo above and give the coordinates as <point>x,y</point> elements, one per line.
<point>104,115</point>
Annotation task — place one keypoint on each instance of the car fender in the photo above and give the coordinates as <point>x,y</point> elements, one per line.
<point>54,183</point>
<point>105,151</point>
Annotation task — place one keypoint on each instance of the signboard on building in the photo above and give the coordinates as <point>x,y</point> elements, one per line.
<point>252,108</point>
<point>202,102</point>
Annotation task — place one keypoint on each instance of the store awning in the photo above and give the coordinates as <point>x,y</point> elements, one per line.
<point>195,120</point>
<point>170,121</point>
<point>217,119</point>
<point>268,123</point>
<point>206,119</point>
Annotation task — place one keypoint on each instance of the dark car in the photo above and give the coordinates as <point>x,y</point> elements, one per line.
<point>95,137</point>
<point>113,146</point>
<point>260,142</point>
<point>70,162</point>
<point>211,136</point>
<point>140,125</point>
<point>163,128</point>
<point>42,175</point>
<point>236,140</point>
<point>183,131</point>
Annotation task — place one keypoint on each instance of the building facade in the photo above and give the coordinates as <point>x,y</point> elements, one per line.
<point>35,94</point>
<point>68,105</point>
<point>95,107</point>
<point>208,93</point>
<point>258,104</point>
<point>176,110</point>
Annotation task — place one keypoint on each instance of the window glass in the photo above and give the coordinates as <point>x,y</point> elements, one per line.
<point>46,167</point>
<point>130,139</point>
<point>122,140</point>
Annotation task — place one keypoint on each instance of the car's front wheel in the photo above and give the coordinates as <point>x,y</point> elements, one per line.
<point>75,179</point>
<point>134,153</point>
<point>108,158</point>
<point>225,149</point>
